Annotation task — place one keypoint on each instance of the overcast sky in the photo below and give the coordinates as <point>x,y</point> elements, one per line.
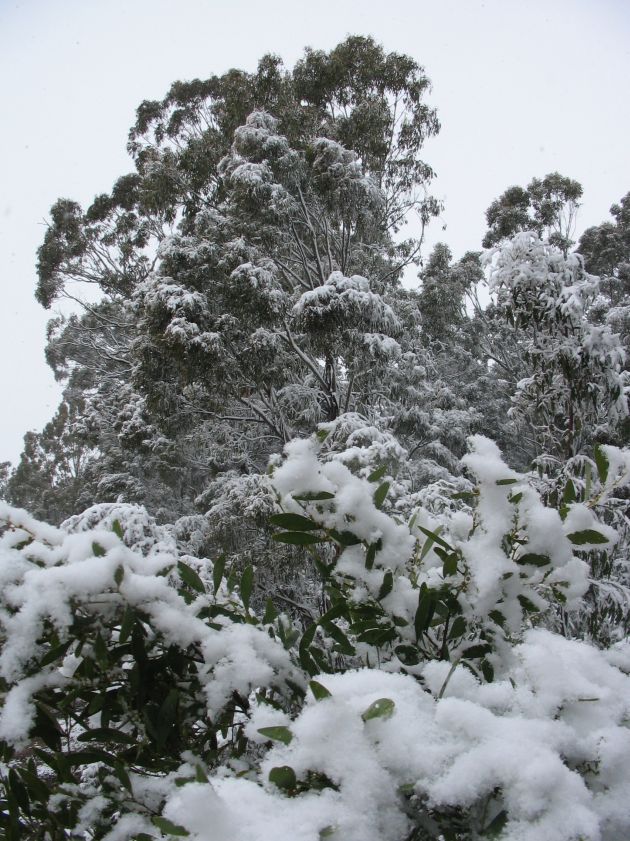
<point>523,88</point>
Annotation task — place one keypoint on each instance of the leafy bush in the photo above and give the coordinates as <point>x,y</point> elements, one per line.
<point>142,697</point>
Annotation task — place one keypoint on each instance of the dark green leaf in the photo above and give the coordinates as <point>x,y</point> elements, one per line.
<point>277,734</point>
<point>496,826</point>
<point>449,567</point>
<point>106,734</point>
<point>191,577</point>
<point>602,463</point>
<point>127,624</point>
<point>283,776</point>
<point>297,538</point>
<point>370,555</point>
<point>97,550</point>
<point>506,481</point>
<point>407,654</point>
<point>533,559</point>
<point>117,529</point>
<point>247,583</point>
<point>119,574</point>
<point>528,605</point>
<point>487,670</point>
<point>339,637</point>
<point>380,493</point>
<point>55,653</point>
<point>314,497</point>
<point>169,828</point>
<point>387,585</point>
<point>378,473</point>
<point>569,494</point>
<point>218,569</point>
<point>579,538</point>
<point>458,628</point>
<point>424,613</point>
<point>346,538</point>
<point>293,522</point>
<point>475,651</point>
<point>270,612</point>
<point>435,537</point>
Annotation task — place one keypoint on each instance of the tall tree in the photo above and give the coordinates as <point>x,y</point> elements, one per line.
<point>547,206</point>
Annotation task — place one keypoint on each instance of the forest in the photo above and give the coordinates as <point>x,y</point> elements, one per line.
<point>328,537</point>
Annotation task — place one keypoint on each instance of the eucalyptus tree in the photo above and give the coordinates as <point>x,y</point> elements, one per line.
<point>547,206</point>
<point>283,276</point>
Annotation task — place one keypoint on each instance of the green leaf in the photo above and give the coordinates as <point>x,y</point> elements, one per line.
<point>380,493</point>
<point>435,537</point>
<point>475,651</point>
<point>319,692</point>
<point>247,584</point>
<point>97,550</point>
<point>506,481</point>
<point>528,605</point>
<point>407,654</point>
<point>383,708</point>
<point>117,529</point>
<point>277,734</point>
<point>293,522</point>
<point>326,832</point>
<point>516,498</point>
<point>106,734</point>
<point>339,637</point>
<point>127,624</point>
<point>55,653</point>
<point>190,577</point>
<point>119,574</point>
<point>458,628</point>
<point>424,613</point>
<point>370,555</point>
<point>123,776</point>
<point>387,585</point>
<point>533,559</point>
<point>469,496</point>
<point>315,496</point>
<point>322,434</point>
<point>270,612</point>
<point>297,538</point>
<point>569,494</point>
<point>579,538</point>
<point>346,538</point>
<point>218,569</point>
<point>378,473</point>
<point>602,463</point>
<point>306,661</point>
<point>283,776</point>
<point>449,567</point>
<point>487,670</point>
<point>169,828</point>
<point>496,826</point>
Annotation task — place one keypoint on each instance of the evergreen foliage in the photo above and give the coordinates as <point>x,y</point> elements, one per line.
<point>288,566</point>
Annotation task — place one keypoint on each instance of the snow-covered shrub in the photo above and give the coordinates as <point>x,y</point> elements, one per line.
<point>143,698</point>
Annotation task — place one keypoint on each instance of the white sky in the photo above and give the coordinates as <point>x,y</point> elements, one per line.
<point>523,88</point>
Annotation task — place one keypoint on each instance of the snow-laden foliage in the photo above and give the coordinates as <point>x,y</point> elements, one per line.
<point>576,382</point>
<point>143,697</point>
